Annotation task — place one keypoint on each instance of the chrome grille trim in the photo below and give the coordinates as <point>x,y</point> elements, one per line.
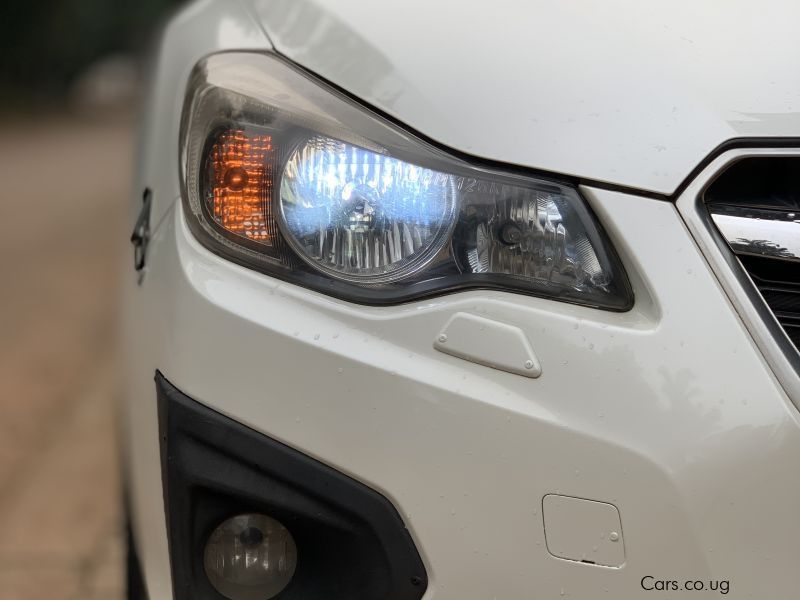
<point>771,339</point>
<point>759,232</point>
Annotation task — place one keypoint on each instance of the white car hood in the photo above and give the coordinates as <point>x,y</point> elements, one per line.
<point>623,91</point>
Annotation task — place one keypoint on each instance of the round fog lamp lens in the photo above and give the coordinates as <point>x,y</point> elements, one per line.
<point>250,557</point>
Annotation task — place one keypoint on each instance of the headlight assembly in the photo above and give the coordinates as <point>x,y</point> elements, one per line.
<point>288,176</point>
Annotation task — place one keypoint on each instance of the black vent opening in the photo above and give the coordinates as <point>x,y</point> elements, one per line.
<point>762,182</point>
<point>779,285</point>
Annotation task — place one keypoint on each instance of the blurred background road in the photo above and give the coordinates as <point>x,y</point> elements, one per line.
<point>70,81</point>
<point>64,183</point>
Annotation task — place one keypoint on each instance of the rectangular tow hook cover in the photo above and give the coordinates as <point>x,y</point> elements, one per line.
<point>583,530</point>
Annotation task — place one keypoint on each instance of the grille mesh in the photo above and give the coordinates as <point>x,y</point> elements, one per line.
<point>779,284</point>
<point>756,207</point>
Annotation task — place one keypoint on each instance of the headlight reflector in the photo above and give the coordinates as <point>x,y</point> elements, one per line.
<point>288,176</point>
<point>363,216</point>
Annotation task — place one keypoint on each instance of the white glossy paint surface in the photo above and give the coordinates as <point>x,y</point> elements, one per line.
<point>668,412</point>
<point>583,530</point>
<point>623,91</point>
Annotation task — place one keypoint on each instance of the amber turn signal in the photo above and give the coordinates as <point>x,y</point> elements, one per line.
<point>239,184</point>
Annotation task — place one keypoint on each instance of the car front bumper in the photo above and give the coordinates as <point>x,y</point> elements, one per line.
<point>668,412</point>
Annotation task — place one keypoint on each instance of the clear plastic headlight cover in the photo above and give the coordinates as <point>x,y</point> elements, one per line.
<point>286,175</point>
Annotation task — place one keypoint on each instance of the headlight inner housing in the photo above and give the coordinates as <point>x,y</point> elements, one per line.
<point>286,175</point>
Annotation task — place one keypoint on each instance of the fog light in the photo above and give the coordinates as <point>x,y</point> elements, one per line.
<point>250,557</point>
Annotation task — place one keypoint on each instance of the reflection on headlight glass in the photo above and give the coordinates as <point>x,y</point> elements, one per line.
<point>365,215</point>
<point>285,175</point>
<point>360,213</point>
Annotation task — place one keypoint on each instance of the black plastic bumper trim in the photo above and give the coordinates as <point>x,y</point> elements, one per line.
<point>351,541</point>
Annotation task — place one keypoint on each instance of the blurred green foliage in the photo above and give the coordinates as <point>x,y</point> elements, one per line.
<point>45,44</point>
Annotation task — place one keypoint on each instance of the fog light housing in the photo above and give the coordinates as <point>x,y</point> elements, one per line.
<point>351,541</point>
<point>250,557</point>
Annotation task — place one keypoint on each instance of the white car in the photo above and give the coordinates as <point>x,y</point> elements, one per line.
<point>467,300</point>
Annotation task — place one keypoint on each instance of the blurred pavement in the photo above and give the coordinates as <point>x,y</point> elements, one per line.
<point>63,188</point>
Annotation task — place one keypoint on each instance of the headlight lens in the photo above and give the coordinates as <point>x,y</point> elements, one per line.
<point>363,216</point>
<point>288,176</point>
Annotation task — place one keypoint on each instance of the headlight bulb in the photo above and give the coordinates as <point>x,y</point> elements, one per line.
<point>250,557</point>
